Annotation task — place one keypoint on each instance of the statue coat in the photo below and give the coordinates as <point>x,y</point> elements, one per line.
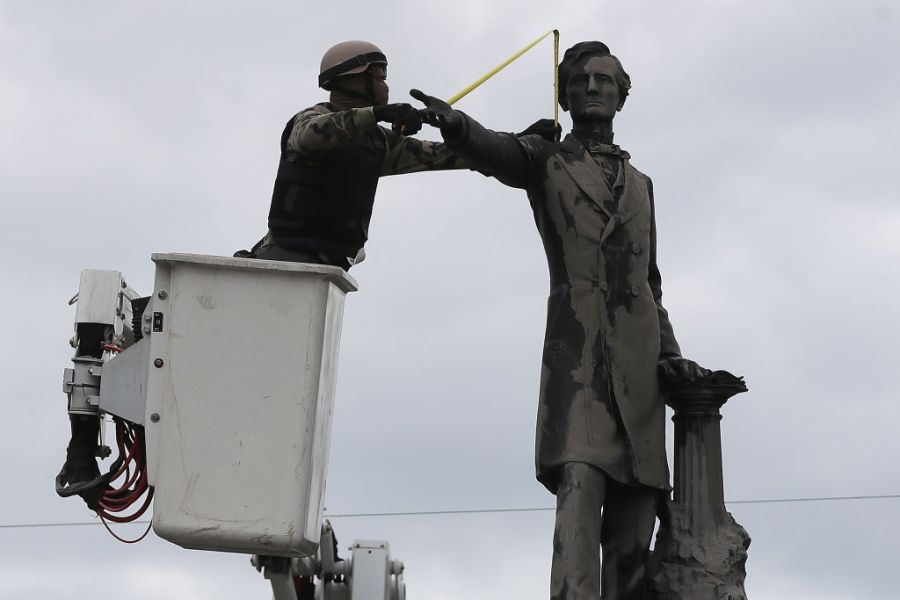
<point>606,326</point>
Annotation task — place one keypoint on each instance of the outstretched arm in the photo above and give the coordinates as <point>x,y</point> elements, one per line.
<point>500,155</point>
<point>319,129</point>
<point>409,155</point>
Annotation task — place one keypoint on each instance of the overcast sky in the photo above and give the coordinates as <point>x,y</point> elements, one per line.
<point>770,131</point>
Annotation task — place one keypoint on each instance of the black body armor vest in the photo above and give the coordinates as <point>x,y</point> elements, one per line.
<point>326,206</point>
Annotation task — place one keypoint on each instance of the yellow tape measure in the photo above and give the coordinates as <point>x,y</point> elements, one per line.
<point>461,94</point>
<point>555,77</point>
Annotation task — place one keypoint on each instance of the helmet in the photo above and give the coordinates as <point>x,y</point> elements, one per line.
<point>347,58</point>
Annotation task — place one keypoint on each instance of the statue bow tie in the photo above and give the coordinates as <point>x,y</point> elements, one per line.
<point>606,149</point>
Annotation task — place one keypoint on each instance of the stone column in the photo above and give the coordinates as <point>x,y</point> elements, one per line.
<point>701,550</point>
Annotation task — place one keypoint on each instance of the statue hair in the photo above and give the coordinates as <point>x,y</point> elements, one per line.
<point>587,49</point>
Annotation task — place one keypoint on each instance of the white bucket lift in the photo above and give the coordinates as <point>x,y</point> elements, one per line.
<point>243,363</point>
<point>234,383</point>
<point>226,378</point>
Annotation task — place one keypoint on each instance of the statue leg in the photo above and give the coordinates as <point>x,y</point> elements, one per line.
<point>629,516</point>
<point>575,571</point>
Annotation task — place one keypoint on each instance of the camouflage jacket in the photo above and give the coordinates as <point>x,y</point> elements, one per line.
<point>606,325</point>
<point>319,129</point>
<point>330,165</point>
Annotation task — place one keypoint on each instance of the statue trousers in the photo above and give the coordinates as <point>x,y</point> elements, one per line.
<point>602,537</point>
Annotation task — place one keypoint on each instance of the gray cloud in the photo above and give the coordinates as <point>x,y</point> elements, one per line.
<point>769,131</point>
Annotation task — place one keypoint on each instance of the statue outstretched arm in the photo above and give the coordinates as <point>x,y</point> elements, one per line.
<point>499,155</point>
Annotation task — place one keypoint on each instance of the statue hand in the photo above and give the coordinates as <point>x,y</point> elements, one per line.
<point>679,369</point>
<point>438,113</point>
<point>545,128</point>
<point>404,118</point>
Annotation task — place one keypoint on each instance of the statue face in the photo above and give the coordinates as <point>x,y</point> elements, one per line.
<point>592,92</point>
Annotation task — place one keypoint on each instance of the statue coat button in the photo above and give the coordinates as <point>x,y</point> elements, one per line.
<point>635,248</point>
<point>604,286</point>
<point>634,290</point>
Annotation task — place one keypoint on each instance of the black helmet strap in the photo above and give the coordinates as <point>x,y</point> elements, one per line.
<point>357,61</point>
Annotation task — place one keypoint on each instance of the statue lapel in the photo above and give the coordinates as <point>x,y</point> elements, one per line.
<point>584,172</point>
<point>631,201</point>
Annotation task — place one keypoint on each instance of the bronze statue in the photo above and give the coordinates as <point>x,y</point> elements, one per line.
<point>601,420</point>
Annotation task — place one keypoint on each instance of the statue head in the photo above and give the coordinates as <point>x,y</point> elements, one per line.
<point>592,82</point>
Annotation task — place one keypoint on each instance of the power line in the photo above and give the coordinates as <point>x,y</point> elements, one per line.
<point>549,508</point>
<point>74,524</point>
<point>819,499</point>
<point>425,513</point>
<point>474,511</point>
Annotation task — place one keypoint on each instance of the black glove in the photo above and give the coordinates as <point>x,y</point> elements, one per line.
<point>404,118</point>
<point>545,128</point>
<point>438,113</point>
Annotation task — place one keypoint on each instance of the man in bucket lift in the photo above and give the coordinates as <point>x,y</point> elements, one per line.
<point>332,155</point>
